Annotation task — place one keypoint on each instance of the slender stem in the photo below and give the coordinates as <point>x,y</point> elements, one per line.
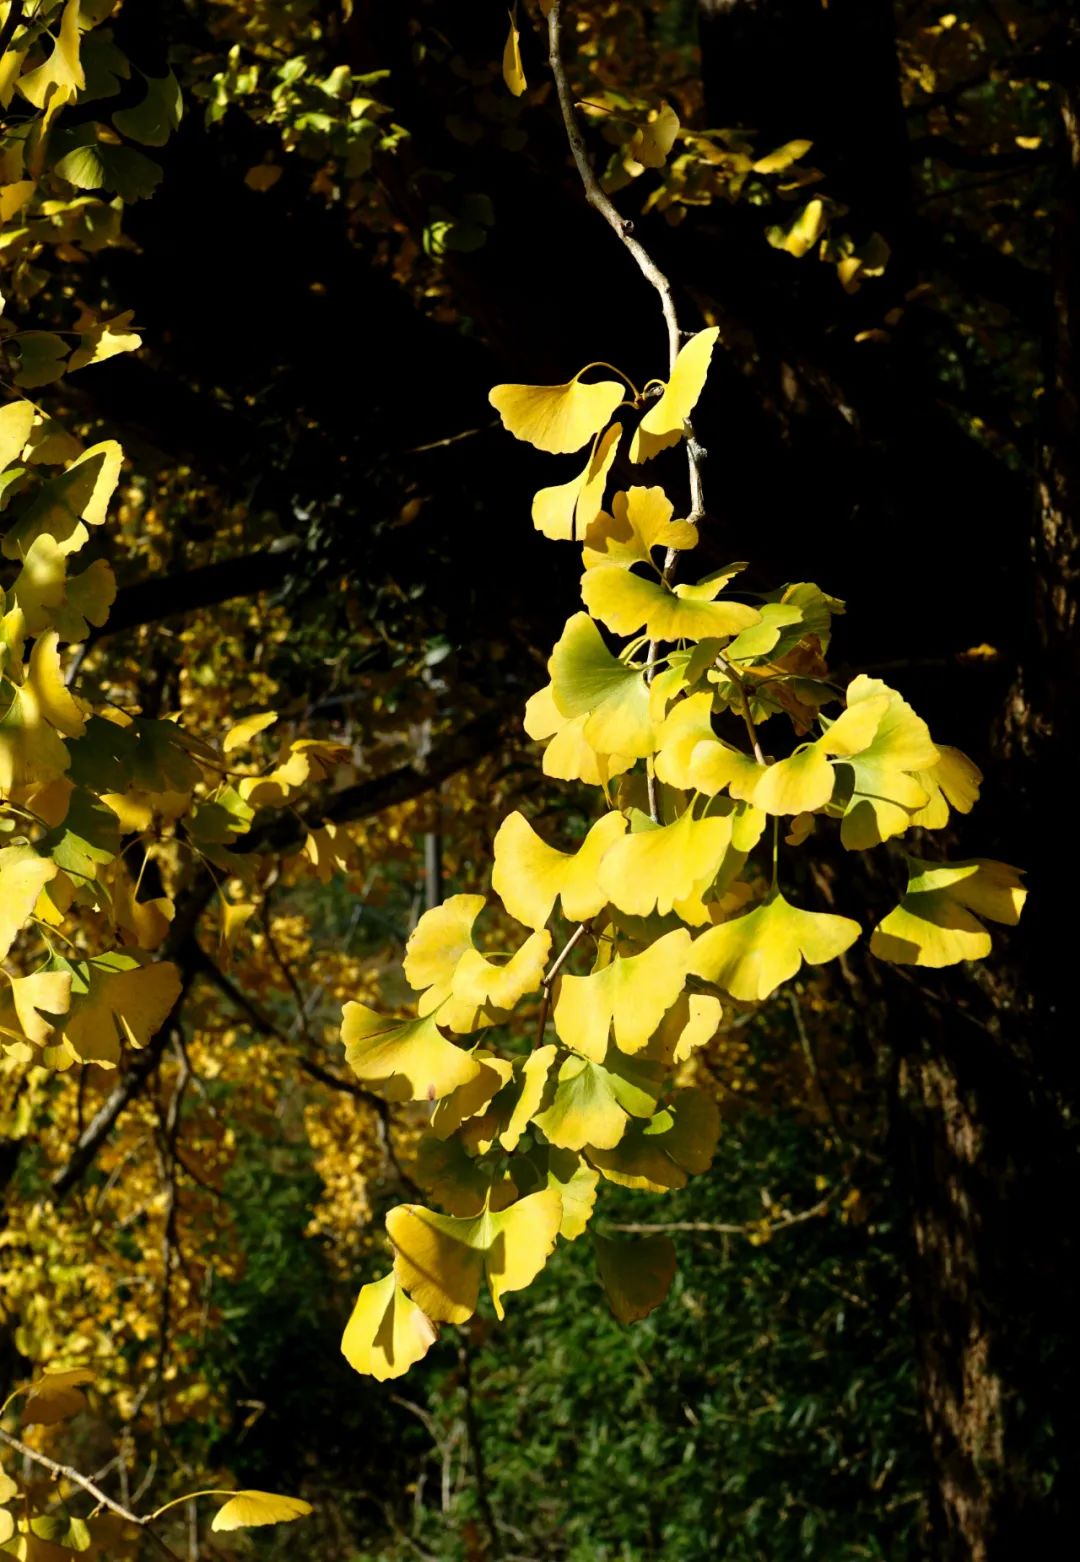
<point>65,1472</point>
<point>744,707</point>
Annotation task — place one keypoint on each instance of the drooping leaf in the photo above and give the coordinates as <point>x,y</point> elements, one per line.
<point>636,1273</point>
<point>386,1333</point>
<point>751,955</point>
<point>656,867</point>
<point>805,782</point>
<point>23,874</point>
<point>530,876</point>
<point>557,418</point>
<point>512,70</point>
<point>55,1396</point>
<point>153,121</point>
<point>587,680</point>
<point>652,141</point>
<point>592,1103</point>
<point>79,494</point>
<point>565,512</point>
<point>248,1509</point>
<point>442,1260</point>
<point>626,602</point>
<point>659,1154</point>
<point>630,994</point>
<point>117,998</point>
<point>885,790</point>
<point>937,922</point>
<point>568,755</point>
<point>405,1060</point>
<point>663,423</point>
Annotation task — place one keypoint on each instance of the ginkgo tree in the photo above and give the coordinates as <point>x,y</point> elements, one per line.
<point>719,744</point>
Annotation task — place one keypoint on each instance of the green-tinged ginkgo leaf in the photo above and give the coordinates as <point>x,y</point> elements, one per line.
<point>752,954</point>
<point>61,75</point>
<point>43,358</point>
<point>386,1333</point>
<point>464,1183</point>
<point>592,1102</point>
<point>885,790</point>
<point>248,1509</point>
<point>640,521</point>
<point>953,782</point>
<point>557,418</point>
<point>690,755</point>
<point>87,599</point>
<point>657,866</point>
<point>16,421</point>
<point>55,1396</point>
<point>79,494</point>
<point>565,512</point>
<point>937,922</point>
<point>765,636</point>
<point>575,1181</point>
<point>631,993</point>
<point>405,1060</point>
<point>663,424</point>
<point>441,1260</point>
<point>626,602</point>
<point>471,1098</point>
<point>512,69</point>
<point>45,993</point>
<point>636,1274</point>
<point>586,680</point>
<point>87,837</point>
<point>805,782</point>
<point>568,755</point>
<point>39,710</point>
<point>23,875</point>
<point>117,999</point>
<point>121,170</point>
<point>658,1155</point>
<point>153,121</point>
<point>530,876</point>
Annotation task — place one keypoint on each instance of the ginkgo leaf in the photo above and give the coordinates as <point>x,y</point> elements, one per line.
<point>691,1022</point>
<point>690,756</point>
<point>592,1103</point>
<point>386,1333</point>
<point>640,521</point>
<point>23,875</point>
<point>101,340</point>
<point>663,423</point>
<point>406,1060</point>
<point>468,989</point>
<point>16,421</point>
<point>636,1274</point>
<point>441,1260</point>
<point>61,75</point>
<point>568,755</point>
<point>438,941</point>
<point>483,983</point>
<point>660,1154</point>
<point>43,993</point>
<point>118,998</point>
<point>805,781</point>
<point>242,733</point>
<point>532,1077</point>
<point>530,876</point>
<point>557,418</point>
<point>40,709</point>
<point>937,922</point>
<point>60,506</point>
<point>565,512</point>
<point>885,789</point>
<point>87,599</point>
<point>55,1396</point>
<point>653,140</point>
<point>470,1099</point>
<point>513,72</point>
<point>630,994</point>
<point>752,954</point>
<point>657,866</point>
<point>586,680</point>
<point>626,602</point>
<point>152,121</point>
<point>953,782</point>
<point>248,1509</point>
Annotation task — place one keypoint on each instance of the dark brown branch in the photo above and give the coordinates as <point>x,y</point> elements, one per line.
<point>149,601</point>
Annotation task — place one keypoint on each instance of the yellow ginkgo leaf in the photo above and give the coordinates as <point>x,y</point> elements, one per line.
<point>470,1099</point>
<point>532,1076</point>
<point>586,680</point>
<point>557,418</point>
<point>689,755</point>
<point>663,423</point>
<point>592,1103</point>
<point>657,866</point>
<point>885,790</point>
<point>953,782</point>
<point>439,939</point>
<point>564,513</point>
<point>661,1153</point>
<point>937,922</point>
<point>405,1060</point>
<point>16,421</point>
<point>568,755</point>
<point>61,76</point>
<point>23,875</point>
<point>118,999</point>
<point>636,1274</point>
<point>530,876</point>
<point>45,992</point>
<point>79,494</point>
<point>626,602</point>
<point>386,1333</point>
<point>88,596</point>
<point>691,1022</point>
<point>512,69</point>
<point>56,1395</point>
<point>329,849</point>
<point>653,140</point>
<point>235,915</point>
<point>468,990</point>
<point>575,1181</point>
<point>631,993</point>
<point>481,982</point>
<point>752,954</point>
<point>243,732</point>
<point>441,1260</point>
<point>248,1509</point>
<point>40,709</point>
<point>804,782</point>
<point>640,521</point>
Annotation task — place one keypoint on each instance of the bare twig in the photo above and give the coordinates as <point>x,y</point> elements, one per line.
<point>747,1228</point>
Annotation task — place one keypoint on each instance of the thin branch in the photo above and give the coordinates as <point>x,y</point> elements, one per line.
<point>747,1228</point>
<point>65,1472</point>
